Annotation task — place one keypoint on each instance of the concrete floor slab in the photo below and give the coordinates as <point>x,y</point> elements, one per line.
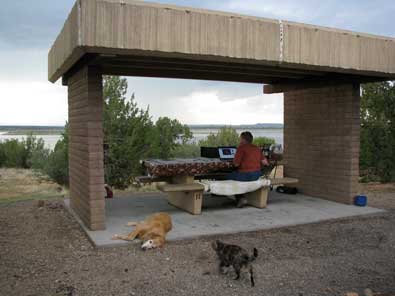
<point>219,216</point>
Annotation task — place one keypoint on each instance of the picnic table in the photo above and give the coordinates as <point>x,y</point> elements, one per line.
<point>179,174</point>
<point>185,166</point>
<point>179,180</point>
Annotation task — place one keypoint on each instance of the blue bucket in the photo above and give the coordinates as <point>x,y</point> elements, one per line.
<point>360,200</point>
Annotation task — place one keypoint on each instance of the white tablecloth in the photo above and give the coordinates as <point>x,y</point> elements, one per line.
<point>230,187</point>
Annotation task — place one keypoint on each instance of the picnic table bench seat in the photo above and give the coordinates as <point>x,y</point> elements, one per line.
<point>185,193</point>
<point>283,181</point>
<point>188,195</point>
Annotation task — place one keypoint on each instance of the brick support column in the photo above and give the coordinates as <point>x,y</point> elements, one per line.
<point>86,147</point>
<point>321,140</point>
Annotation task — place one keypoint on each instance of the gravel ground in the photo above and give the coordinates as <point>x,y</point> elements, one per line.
<point>44,252</point>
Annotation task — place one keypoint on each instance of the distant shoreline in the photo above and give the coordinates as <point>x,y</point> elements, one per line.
<point>51,135</point>
<point>15,130</point>
<point>238,126</point>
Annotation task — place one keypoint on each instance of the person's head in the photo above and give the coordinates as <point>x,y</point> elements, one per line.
<point>246,138</point>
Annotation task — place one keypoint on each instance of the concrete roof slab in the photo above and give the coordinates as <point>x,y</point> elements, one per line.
<point>140,29</point>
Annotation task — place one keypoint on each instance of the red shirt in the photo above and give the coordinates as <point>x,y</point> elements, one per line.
<point>248,158</point>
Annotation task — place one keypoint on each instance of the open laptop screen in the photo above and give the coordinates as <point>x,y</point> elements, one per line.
<point>227,153</point>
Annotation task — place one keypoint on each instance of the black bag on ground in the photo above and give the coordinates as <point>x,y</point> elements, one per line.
<point>287,190</point>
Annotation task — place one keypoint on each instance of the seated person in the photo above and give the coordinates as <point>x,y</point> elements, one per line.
<point>248,160</point>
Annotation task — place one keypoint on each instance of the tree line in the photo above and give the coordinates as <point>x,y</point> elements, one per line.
<point>131,135</point>
<point>377,113</point>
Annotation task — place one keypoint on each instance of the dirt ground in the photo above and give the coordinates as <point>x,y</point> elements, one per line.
<point>44,252</point>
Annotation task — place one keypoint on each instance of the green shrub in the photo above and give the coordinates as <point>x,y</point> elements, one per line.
<point>263,141</point>
<point>57,165</point>
<point>2,155</point>
<point>377,154</point>
<point>168,135</point>
<point>186,151</point>
<point>52,163</point>
<point>226,136</point>
<point>32,146</point>
<point>14,154</point>
<point>18,154</point>
<point>39,159</point>
<point>131,135</point>
<point>127,133</point>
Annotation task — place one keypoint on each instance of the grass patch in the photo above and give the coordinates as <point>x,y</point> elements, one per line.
<point>23,184</point>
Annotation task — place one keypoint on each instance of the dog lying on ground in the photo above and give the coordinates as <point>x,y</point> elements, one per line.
<point>152,231</point>
<point>232,255</point>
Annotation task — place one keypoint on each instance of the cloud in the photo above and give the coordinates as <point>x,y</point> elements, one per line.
<point>33,24</point>
<point>23,64</point>
<point>207,108</point>
<point>28,28</point>
<point>358,15</point>
<point>277,9</point>
<point>199,101</point>
<point>32,103</point>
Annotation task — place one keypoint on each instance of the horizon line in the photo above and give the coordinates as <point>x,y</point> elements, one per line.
<point>188,124</point>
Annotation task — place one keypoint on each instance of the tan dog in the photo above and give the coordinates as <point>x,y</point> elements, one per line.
<point>152,231</point>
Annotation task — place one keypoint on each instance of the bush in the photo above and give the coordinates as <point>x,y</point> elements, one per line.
<point>127,132</point>
<point>14,154</point>
<point>52,163</point>
<point>32,146</point>
<point>2,155</point>
<point>190,150</point>
<point>39,159</point>
<point>57,166</point>
<point>18,154</point>
<point>56,163</point>
<point>227,136</point>
<point>168,135</point>
<point>131,136</point>
<point>377,155</point>
<point>263,141</point>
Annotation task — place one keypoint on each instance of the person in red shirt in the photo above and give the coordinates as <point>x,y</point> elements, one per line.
<point>248,160</point>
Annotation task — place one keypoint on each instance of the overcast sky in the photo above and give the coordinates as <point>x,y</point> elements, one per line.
<point>28,29</point>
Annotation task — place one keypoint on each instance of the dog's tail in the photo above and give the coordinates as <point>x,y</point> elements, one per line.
<point>254,255</point>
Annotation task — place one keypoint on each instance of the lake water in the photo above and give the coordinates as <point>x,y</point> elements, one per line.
<point>198,134</point>
<point>50,140</point>
<point>275,133</point>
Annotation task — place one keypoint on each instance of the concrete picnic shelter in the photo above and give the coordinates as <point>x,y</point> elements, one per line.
<point>318,69</point>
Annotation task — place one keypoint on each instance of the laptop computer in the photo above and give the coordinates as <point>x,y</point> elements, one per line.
<point>227,153</point>
<point>223,153</point>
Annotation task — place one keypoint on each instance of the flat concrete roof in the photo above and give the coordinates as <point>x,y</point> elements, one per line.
<point>219,215</point>
<point>125,37</point>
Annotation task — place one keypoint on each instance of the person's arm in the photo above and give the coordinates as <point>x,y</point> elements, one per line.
<point>238,157</point>
<point>264,160</point>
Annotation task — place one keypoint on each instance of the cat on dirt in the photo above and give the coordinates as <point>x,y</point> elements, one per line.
<point>235,256</point>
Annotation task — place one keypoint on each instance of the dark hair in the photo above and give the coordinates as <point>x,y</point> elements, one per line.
<point>247,136</point>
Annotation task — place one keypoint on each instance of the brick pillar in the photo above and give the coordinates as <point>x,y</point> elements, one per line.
<point>86,147</point>
<point>321,140</point>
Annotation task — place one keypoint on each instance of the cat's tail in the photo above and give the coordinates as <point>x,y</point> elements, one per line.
<point>254,255</point>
